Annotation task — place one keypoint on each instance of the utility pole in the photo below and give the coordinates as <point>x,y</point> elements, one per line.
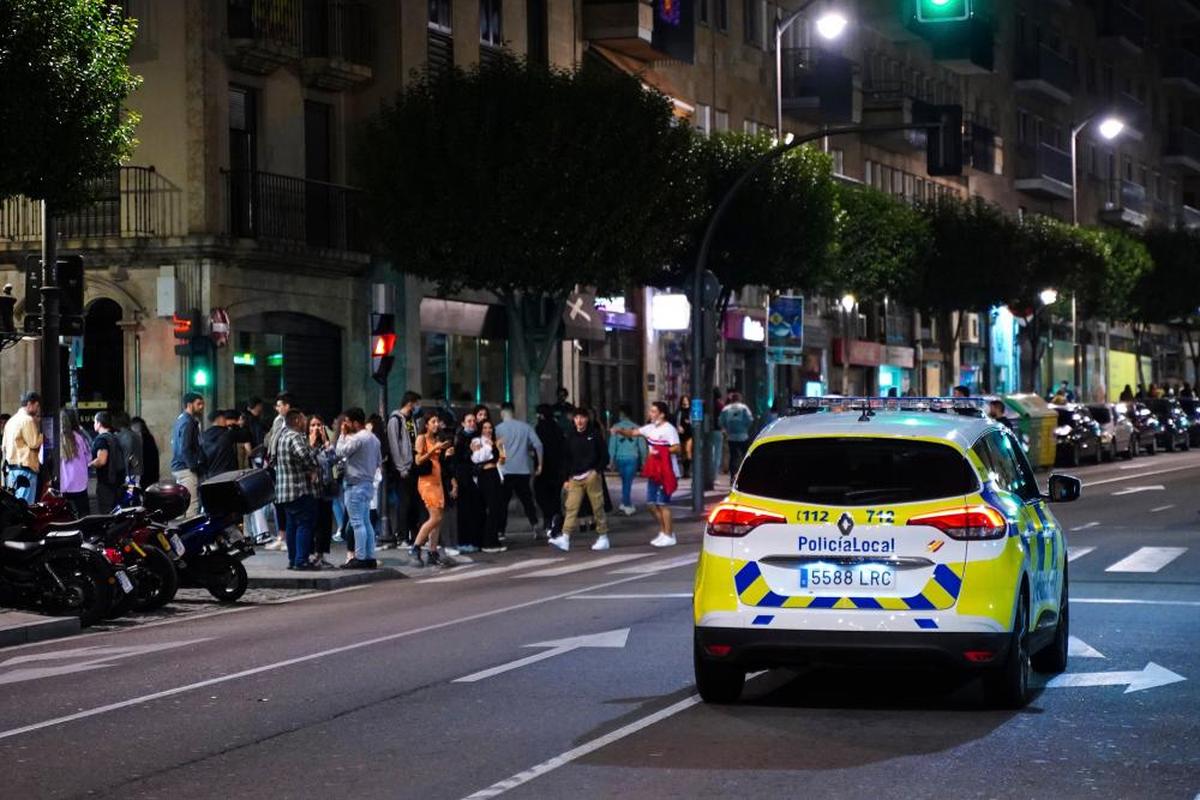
<point>51,379</point>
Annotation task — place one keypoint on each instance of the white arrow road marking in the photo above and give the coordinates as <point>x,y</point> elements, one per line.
<point>1147,559</point>
<point>1135,489</point>
<point>1085,526</point>
<point>614,639</point>
<point>594,563</point>
<point>1078,552</point>
<point>1162,508</point>
<point>92,658</point>
<point>1151,677</point>
<point>1077,648</point>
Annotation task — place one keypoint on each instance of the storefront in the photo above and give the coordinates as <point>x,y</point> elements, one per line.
<point>610,370</point>
<point>896,376</point>
<point>465,353</point>
<point>1006,355</point>
<point>282,351</point>
<point>745,363</point>
<point>857,361</point>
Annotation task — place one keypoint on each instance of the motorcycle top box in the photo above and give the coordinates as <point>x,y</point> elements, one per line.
<point>167,499</point>
<point>241,492</point>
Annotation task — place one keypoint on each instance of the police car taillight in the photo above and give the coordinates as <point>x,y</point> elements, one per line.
<point>969,522</point>
<point>732,520</point>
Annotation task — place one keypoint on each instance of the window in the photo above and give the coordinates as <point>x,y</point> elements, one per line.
<point>703,118</point>
<point>722,15</point>
<point>855,471</point>
<point>722,120</point>
<point>1011,472</point>
<point>752,22</point>
<point>439,15</point>
<point>839,161</point>
<point>490,29</point>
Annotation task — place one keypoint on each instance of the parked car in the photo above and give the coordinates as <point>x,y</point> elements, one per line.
<point>1117,434</point>
<point>1146,425</point>
<point>1191,407</point>
<point>1175,434</point>
<point>1077,434</point>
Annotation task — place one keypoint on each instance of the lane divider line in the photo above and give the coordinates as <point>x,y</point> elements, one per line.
<point>1162,508</point>
<point>1085,526</point>
<point>1126,601</point>
<point>661,596</point>
<point>1140,475</point>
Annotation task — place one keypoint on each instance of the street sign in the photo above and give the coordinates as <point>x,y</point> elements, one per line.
<point>581,318</point>
<point>608,639</point>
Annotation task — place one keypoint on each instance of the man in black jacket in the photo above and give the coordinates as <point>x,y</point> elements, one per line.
<point>220,440</point>
<point>586,456</point>
<point>548,484</point>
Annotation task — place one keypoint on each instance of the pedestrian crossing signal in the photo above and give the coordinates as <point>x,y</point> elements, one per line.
<point>383,344</point>
<point>943,10</point>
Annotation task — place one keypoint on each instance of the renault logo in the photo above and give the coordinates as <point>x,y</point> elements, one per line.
<point>845,524</point>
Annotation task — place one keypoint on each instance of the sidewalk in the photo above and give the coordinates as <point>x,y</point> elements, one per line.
<point>20,627</point>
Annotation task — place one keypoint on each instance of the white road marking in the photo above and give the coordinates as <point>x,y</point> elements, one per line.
<point>481,573</point>
<point>1136,489</point>
<point>1077,648</point>
<point>656,566</point>
<point>348,648</point>
<point>1147,559</point>
<point>660,596</point>
<point>1127,601</point>
<point>584,749</point>
<point>87,659</point>
<point>1086,526</point>
<point>1140,475</point>
<point>1162,508</point>
<point>615,639</point>
<point>1149,677</point>
<point>595,563</point>
<point>1078,552</point>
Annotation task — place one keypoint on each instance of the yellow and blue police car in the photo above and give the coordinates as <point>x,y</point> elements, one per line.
<point>878,531</point>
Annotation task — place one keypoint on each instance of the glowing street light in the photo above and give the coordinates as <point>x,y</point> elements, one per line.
<point>831,25</point>
<point>1111,128</point>
<point>1048,297</point>
<point>848,301</point>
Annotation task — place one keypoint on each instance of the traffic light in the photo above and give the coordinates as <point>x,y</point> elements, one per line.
<point>934,11</point>
<point>69,279</point>
<point>383,345</point>
<point>189,331</point>
<point>944,145</point>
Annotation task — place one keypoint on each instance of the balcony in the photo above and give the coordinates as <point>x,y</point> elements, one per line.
<point>1125,204</point>
<point>131,203</point>
<point>643,30</point>
<point>264,206</point>
<point>1183,148</point>
<point>1043,71</point>
<point>982,149</point>
<point>1044,171</point>
<point>1181,69</point>
<point>264,34</point>
<point>817,86</point>
<point>1122,27</point>
<point>338,44</point>
<point>893,103</point>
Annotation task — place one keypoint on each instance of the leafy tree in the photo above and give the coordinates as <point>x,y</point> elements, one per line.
<point>1107,291</point>
<point>881,244</point>
<point>1169,292</point>
<point>63,83</point>
<point>528,181</point>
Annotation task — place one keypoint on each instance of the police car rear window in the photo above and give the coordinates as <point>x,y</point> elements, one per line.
<point>855,471</point>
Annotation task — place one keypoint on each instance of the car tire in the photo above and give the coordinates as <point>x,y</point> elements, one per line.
<point>717,683</point>
<point>1052,658</point>
<point>1007,685</point>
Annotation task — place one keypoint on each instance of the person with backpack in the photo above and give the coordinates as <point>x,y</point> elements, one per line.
<point>108,459</point>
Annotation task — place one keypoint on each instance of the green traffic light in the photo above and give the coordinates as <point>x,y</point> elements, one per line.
<point>943,10</point>
<point>199,377</point>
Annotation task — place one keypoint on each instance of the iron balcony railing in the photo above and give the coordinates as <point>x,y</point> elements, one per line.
<point>1043,63</point>
<point>262,205</point>
<point>277,22</point>
<point>340,30</point>
<point>1045,161</point>
<point>1126,195</point>
<point>129,202</point>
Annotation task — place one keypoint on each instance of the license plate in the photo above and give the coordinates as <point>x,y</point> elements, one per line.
<point>123,579</point>
<point>177,544</point>
<point>860,577</point>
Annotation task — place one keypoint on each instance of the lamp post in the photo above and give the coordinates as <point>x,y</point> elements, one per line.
<point>1048,297</point>
<point>847,304</point>
<point>1110,128</point>
<point>829,25</point>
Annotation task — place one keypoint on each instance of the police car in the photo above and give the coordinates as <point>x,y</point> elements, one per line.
<point>882,531</point>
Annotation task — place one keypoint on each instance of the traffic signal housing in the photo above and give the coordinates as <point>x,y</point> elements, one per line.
<point>383,345</point>
<point>189,333</point>
<point>944,141</point>
<point>937,11</point>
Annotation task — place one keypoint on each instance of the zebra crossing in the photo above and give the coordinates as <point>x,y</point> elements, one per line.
<point>556,566</point>
<point>1142,560</point>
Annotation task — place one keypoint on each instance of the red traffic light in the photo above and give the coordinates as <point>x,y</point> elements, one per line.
<point>183,326</point>
<point>382,345</point>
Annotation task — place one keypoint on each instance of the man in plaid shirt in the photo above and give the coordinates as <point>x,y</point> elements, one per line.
<point>295,466</point>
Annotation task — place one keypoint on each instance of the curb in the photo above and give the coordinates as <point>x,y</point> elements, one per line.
<point>325,581</point>
<point>35,628</point>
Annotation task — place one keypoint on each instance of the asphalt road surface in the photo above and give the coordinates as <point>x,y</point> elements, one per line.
<point>551,675</point>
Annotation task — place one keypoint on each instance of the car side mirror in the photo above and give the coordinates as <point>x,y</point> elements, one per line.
<point>1064,489</point>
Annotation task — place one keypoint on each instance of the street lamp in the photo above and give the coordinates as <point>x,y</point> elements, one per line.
<point>1110,128</point>
<point>848,302</point>
<point>830,25</point>
<point>1048,296</point>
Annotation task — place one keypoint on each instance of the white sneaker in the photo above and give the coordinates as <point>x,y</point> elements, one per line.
<point>663,540</point>
<point>628,510</point>
<point>601,542</point>
<point>450,551</point>
<point>562,542</point>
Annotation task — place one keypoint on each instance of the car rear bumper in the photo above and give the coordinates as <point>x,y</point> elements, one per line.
<point>762,649</point>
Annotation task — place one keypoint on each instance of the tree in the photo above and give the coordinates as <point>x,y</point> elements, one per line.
<point>528,181</point>
<point>63,84</point>
<point>1169,292</point>
<point>881,244</point>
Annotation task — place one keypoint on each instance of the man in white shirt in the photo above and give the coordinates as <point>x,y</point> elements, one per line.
<point>663,440</point>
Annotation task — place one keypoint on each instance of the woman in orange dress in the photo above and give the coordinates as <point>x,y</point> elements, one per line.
<point>430,449</point>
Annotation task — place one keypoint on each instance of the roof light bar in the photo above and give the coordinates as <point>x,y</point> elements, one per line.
<point>870,405</point>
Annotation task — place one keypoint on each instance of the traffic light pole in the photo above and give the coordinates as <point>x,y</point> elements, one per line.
<point>51,379</point>
<point>700,417</point>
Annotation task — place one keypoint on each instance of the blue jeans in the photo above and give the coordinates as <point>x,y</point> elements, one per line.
<point>339,511</point>
<point>627,469</point>
<point>358,506</point>
<point>23,483</point>
<point>301,519</point>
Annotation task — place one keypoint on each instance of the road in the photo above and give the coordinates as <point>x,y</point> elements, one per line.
<point>359,693</point>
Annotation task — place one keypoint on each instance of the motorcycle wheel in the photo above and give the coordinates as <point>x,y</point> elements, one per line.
<point>122,602</point>
<point>157,583</point>
<point>88,594</point>
<point>227,578</point>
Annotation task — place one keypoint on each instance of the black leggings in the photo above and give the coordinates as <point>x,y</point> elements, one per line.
<point>470,505</point>
<point>548,489</point>
<point>323,527</point>
<point>492,489</point>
